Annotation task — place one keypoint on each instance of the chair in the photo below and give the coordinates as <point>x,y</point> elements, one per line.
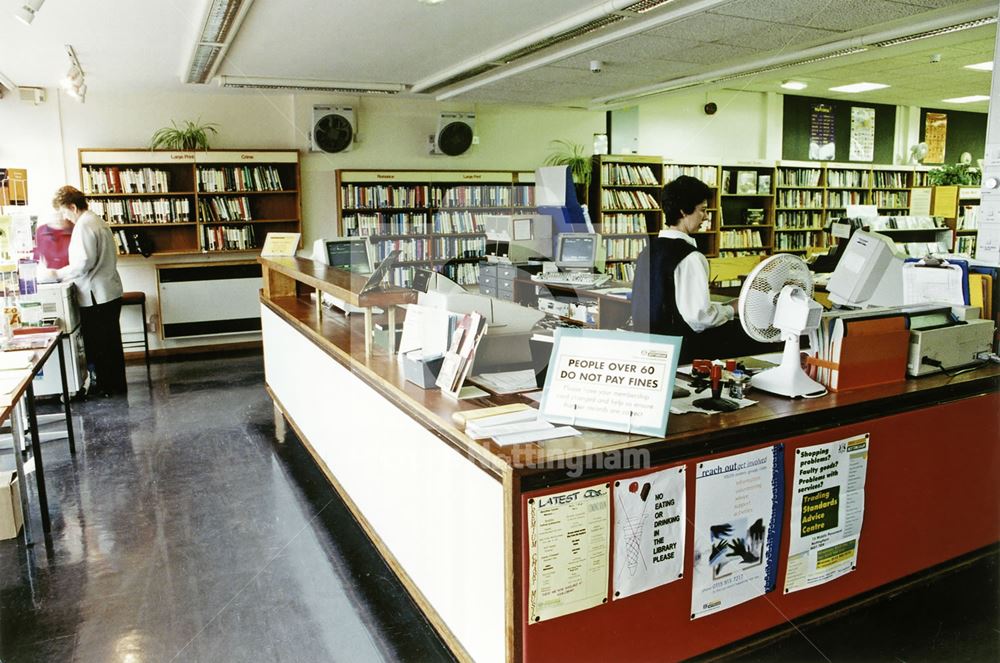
<point>136,298</point>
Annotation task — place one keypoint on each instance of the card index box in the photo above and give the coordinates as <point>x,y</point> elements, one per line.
<point>866,352</point>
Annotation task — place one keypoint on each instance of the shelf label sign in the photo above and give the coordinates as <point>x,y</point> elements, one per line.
<point>611,380</point>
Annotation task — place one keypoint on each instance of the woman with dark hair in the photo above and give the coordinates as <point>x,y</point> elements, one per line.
<point>93,269</point>
<point>670,290</point>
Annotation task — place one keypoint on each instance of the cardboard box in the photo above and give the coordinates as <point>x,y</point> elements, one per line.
<point>11,518</point>
<point>421,373</point>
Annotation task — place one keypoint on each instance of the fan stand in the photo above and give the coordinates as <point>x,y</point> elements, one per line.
<point>788,379</point>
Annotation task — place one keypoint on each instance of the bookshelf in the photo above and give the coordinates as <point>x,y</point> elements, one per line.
<point>890,189</point>
<point>13,187</point>
<point>625,208</point>
<point>187,202</point>
<point>747,208</point>
<point>959,206</point>
<point>433,217</point>
<point>799,207</point>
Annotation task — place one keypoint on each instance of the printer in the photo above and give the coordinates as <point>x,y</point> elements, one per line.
<point>59,307</point>
<point>947,337</point>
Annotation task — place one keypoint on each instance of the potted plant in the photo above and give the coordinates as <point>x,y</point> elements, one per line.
<point>189,136</point>
<point>954,174</point>
<point>565,153</point>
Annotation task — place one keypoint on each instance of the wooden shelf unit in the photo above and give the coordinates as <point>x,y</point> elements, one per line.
<point>737,236</point>
<point>625,200</point>
<point>162,195</point>
<point>959,206</point>
<point>433,216</point>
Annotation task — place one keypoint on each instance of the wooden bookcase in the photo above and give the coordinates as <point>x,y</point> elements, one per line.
<point>746,202</point>
<point>959,206</point>
<point>434,216</point>
<point>799,207</point>
<point>625,207</point>
<point>186,202</point>
<point>890,189</point>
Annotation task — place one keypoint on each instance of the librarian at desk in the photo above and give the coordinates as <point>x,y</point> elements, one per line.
<point>670,291</point>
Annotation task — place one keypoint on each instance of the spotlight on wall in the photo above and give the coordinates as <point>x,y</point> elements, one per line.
<point>74,83</point>
<point>26,12</point>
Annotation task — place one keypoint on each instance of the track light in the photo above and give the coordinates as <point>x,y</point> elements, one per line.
<point>26,12</point>
<point>75,83</point>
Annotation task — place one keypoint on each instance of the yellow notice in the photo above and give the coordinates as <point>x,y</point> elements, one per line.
<point>569,539</point>
<point>280,245</point>
<point>945,201</point>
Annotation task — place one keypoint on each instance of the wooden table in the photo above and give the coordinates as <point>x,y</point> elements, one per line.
<point>42,345</point>
<point>449,513</point>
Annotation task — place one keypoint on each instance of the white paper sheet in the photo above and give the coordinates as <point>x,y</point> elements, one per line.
<point>568,548</point>
<point>933,284</point>
<point>536,436</point>
<point>649,531</point>
<point>827,509</point>
<point>508,382</point>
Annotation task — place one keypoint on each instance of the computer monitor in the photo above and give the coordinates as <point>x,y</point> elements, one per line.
<point>577,251</point>
<point>869,273</point>
<point>350,253</point>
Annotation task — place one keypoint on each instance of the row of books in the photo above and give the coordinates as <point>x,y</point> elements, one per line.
<point>799,176</point>
<point>888,178</point>
<point>785,219</point>
<point>463,273</point>
<point>966,244</point>
<point>621,271</point>
<point>746,182</point>
<point>160,210</point>
<point>741,253</point>
<point>617,199</point>
<point>410,249</point>
<point>624,248</point>
<point>485,195</point>
<point>891,199</point>
<point>838,199</point>
<point>112,179</point>
<point>457,222</point>
<point>921,249</point>
<point>621,224</point>
<point>800,198</point>
<point>906,223</point>
<point>627,174</point>
<point>969,219</point>
<point>797,241</point>
<point>524,195</point>
<point>402,277</point>
<point>400,223</point>
<point>740,239</point>
<point>357,196</point>
<point>847,178</point>
<point>920,178</point>
<point>227,238</point>
<point>239,178</point>
<point>127,242</point>
<point>707,174</point>
<point>459,247</point>
<point>225,209</point>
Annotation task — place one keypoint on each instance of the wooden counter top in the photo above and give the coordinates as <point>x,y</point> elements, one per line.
<point>340,283</point>
<point>687,435</point>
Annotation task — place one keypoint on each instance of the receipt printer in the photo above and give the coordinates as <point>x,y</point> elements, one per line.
<point>947,338</point>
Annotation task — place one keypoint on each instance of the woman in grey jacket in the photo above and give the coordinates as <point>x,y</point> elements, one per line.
<point>93,269</point>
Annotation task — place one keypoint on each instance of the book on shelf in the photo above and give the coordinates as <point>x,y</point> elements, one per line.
<point>764,185</point>
<point>707,174</point>
<point>483,195</point>
<point>227,238</point>
<point>623,224</point>
<point>225,209</point>
<point>114,179</point>
<point>221,179</point>
<point>627,174</point>
<point>624,248</point>
<point>746,182</point>
<point>360,196</point>
<point>806,177</point>
<point>618,199</point>
<point>142,210</point>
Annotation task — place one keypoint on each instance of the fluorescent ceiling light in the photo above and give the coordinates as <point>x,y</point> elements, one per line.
<point>300,85</point>
<point>794,85</point>
<point>858,87</point>
<point>26,12</point>
<point>982,66</point>
<point>222,22</point>
<point>430,2</point>
<point>967,100</point>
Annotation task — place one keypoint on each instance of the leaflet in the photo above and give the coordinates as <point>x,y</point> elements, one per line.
<point>828,507</point>
<point>569,539</point>
<point>737,529</point>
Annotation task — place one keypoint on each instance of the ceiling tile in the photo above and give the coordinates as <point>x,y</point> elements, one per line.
<point>841,15</point>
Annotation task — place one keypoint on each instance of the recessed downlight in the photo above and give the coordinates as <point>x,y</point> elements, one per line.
<point>858,87</point>
<point>794,85</point>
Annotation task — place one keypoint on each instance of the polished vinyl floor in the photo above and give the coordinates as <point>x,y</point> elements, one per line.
<point>182,531</point>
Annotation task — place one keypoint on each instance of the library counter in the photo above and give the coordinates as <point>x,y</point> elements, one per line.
<point>449,514</point>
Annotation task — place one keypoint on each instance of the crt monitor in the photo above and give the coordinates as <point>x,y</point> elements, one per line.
<point>869,272</point>
<point>577,251</point>
<point>349,253</point>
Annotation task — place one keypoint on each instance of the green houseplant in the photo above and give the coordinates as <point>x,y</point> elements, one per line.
<point>961,174</point>
<point>189,136</point>
<point>565,153</point>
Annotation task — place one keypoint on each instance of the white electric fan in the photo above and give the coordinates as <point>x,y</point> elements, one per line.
<point>776,301</point>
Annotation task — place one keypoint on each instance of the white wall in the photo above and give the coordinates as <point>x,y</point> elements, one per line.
<point>677,127</point>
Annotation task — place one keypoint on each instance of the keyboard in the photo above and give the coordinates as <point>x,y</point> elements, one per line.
<point>575,279</point>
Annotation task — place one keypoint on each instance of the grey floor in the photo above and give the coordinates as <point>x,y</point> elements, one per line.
<point>183,532</point>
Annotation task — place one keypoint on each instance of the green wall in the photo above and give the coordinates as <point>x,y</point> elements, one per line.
<point>797,121</point>
<point>966,133</point>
